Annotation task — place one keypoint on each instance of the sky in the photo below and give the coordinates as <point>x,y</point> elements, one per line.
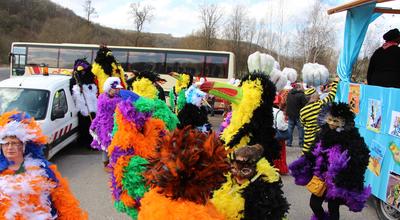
<point>181,17</point>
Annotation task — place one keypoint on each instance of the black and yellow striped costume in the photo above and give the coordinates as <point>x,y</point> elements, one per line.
<point>309,115</point>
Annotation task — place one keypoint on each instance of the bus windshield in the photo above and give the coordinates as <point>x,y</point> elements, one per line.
<point>32,101</point>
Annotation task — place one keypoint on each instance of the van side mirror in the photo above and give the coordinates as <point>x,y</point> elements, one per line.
<point>57,113</point>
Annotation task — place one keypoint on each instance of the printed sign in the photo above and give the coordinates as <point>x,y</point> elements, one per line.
<point>374,121</point>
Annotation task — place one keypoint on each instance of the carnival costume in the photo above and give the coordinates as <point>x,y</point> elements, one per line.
<point>36,190</point>
<point>339,158</point>
<point>252,120</point>
<point>139,127</point>
<point>103,124</point>
<point>190,165</point>
<point>177,98</point>
<point>251,123</point>
<point>84,93</point>
<point>259,196</point>
<point>106,66</point>
<point>193,113</point>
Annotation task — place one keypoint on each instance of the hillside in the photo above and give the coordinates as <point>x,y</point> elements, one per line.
<point>45,21</point>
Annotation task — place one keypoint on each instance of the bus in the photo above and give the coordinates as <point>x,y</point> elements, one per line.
<point>26,58</point>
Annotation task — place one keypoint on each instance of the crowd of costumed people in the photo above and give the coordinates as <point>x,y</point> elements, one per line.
<point>166,161</point>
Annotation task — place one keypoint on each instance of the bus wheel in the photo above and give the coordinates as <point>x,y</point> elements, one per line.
<point>385,211</point>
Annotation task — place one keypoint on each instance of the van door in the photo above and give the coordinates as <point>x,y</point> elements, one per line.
<point>62,121</point>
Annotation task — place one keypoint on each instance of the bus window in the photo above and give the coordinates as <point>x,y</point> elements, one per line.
<point>216,66</point>
<point>37,55</point>
<point>121,57</point>
<point>153,61</point>
<point>68,57</point>
<point>185,63</point>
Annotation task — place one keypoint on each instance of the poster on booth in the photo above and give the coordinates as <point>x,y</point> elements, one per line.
<point>393,190</point>
<point>395,124</point>
<point>376,157</point>
<point>354,98</point>
<point>374,120</point>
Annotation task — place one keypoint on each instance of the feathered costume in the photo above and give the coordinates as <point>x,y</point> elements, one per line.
<point>106,66</point>
<point>139,126</point>
<point>190,165</point>
<point>84,93</point>
<point>252,123</point>
<point>103,124</point>
<point>177,98</point>
<point>193,112</point>
<point>39,191</point>
<point>339,157</point>
<point>252,120</point>
<point>258,197</point>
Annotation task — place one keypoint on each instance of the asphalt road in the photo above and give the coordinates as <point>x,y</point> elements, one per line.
<point>89,182</point>
<point>4,73</point>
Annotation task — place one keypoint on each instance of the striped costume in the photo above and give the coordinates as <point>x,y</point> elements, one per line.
<point>309,115</point>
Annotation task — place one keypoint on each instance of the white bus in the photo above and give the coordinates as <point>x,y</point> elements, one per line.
<point>26,57</point>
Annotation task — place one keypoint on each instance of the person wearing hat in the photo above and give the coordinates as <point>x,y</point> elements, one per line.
<point>30,186</point>
<point>309,113</point>
<point>384,66</point>
<point>102,125</point>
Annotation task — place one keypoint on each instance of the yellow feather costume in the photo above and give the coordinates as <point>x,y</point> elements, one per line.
<point>228,199</point>
<point>101,76</point>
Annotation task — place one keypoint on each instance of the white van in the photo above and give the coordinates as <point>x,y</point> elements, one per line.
<point>48,99</point>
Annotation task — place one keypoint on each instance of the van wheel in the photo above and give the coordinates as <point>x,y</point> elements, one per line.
<point>385,211</point>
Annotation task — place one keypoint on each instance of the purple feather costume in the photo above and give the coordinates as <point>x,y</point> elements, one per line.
<point>327,164</point>
<point>102,126</point>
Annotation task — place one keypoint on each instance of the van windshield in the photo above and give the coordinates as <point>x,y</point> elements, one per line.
<point>32,101</point>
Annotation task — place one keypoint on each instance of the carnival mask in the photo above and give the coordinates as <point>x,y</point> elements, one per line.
<point>335,123</point>
<point>244,162</point>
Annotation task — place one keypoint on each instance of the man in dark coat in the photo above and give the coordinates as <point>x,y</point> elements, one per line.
<point>296,100</point>
<point>384,66</point>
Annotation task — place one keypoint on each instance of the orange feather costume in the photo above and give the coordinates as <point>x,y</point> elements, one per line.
<point>38,191</point>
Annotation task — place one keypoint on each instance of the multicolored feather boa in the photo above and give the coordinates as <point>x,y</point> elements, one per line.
<point>138,128</point>
<point>33,195</point>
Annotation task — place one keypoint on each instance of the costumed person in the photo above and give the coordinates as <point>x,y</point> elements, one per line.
<point>177,97</point>
<point>281,126</point>
<point>194,113</point>
<point>30,186</point>
<point>252,119</point>
<point>102,126</point>
<point>253,189</point>
<point>139,126</point>
<point>105,65</point>
<point>191,164</point>
<point>252,122</point>
<point>84,93</point>
<point>384,66</point>
<point>312,75</point>
<point>334,168</point>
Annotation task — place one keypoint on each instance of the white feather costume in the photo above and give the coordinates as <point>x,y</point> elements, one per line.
<point>89,93</point>
<point>315,74</point>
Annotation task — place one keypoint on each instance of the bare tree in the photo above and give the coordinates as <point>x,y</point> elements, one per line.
<point>315,35</point>
<point>140,14</point>
<point>210,16</point>
<point>89,10</point>
<point>235,32</point>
